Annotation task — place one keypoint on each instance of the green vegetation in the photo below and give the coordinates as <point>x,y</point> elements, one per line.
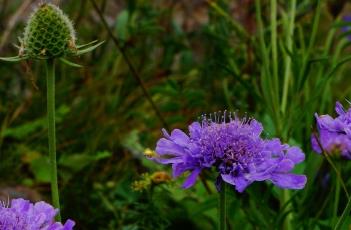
<point>164,64</point>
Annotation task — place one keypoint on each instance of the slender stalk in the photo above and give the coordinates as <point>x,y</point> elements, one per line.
<point>289,39</point>
<point>286,196</point>
<point>274,44</point>
<point>344,214</point>
<point>337,196</point>
<point>50,73</point>
<point>222,207</point>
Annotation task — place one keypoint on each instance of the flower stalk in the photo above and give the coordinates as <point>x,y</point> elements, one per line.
<point>50,77</point>
<point>222,207</point>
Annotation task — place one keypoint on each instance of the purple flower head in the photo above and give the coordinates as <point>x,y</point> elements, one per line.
<point>334,134</point>
<point>235,149</point>
<point>347,28</point>
<point>22,214</point>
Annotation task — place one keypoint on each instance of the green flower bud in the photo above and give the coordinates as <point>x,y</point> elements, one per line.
<point>48,34</point>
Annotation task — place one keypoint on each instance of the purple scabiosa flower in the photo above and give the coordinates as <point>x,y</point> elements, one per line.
<point>334,134</point>
<point>235,149</point>
<point>22,214</point>
<point>347,28</point>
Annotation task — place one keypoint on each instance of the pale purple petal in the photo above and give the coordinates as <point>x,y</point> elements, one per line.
<point>191,179</point>
<point>195,130</point>
<point>239,182</point>
<point>295,154</point>
<point>339,108</point>
<point>179,137</point>
<point>289,181</point>
<point>168,147</point>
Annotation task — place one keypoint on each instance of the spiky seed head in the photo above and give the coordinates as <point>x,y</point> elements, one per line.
<point>49,33</point>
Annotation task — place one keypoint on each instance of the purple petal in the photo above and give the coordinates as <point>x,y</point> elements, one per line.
<point>315,145</point>
<point>295,154</point>
<point>191,179</point>
<point>69,225</point>
<point>289,181</point>
<point>195,130</point>
<point>21,205</point>
<point>326,122</point>
<point>167,147</point>
<point>43,207</point>
<point>274,146</point>
<point>285,165</point>
<point>165,161</point>
<point>239,182</point>
<point>166,134</point>
<point>257,127</point>
<point>179,169</point>
<point>179,137</point>
<point>339,109</point>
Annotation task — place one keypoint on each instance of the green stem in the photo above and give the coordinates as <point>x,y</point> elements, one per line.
<point>344,215</point>
<point>284,199</point>
<point>222,207</point>
<point>274,42</point>
<point>337,196</point>
<point>289,39</point>
<point>50,72</point>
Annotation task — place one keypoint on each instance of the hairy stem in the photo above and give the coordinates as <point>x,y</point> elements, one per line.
<point>50,72</point>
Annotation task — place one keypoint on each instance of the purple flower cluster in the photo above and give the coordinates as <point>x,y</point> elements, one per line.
<point>235,149</point>
<point>22,214</point>
<point>334,133</point>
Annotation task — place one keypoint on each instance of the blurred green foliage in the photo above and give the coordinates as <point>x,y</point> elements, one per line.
<point>194,57</point>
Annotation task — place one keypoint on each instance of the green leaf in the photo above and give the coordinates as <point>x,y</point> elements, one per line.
<point>24,130</point>
<point>77,162</point>
<point>14,59</point>
<point>41,169</point>
<point>89,49</point>
<point>87,44</point>
<point>70,63</point>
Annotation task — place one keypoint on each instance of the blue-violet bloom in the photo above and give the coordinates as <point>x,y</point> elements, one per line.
<point>334,134</point>
<point>22,214</point>
<point>235,149</point>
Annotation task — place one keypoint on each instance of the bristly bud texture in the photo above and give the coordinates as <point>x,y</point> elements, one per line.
<point>235,149</point>
<point>334,134</point>
<point>48,34</point>
<point>22,214</point>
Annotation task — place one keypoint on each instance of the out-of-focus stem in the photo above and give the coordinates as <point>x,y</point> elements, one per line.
<point>50,75</point>
<point>289,39</point>
<point>337,195</point>
<point>222,207</point>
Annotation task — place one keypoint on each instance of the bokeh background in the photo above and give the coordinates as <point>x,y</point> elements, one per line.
<point>193,58</point>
